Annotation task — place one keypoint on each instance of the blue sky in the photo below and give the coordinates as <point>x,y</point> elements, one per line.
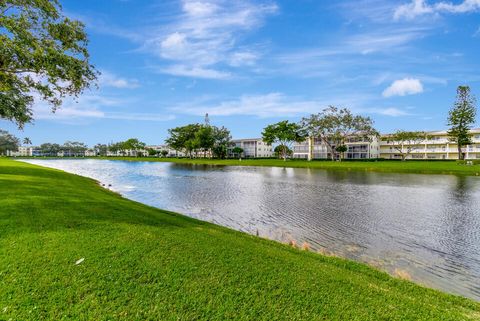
<point>247,63</point>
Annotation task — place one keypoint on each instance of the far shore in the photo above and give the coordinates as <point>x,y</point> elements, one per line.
<point>370,165</point>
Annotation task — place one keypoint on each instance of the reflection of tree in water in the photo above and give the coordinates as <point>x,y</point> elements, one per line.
<point>461,226</point>
<point>461,189</point>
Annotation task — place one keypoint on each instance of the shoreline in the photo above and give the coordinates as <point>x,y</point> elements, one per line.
<point>381,166</point>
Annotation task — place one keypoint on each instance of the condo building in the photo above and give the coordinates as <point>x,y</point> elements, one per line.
<point>436,146</point>
<point>254,147</point>
<point>357,148</point>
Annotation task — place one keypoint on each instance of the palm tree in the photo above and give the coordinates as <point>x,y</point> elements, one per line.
<point>27,141</point>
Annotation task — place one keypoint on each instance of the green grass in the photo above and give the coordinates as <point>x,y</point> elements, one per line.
<point>145,263</point>
<point>421,167</point>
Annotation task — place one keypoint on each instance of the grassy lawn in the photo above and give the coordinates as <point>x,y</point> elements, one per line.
<point>145,263</point>
<point>423,167</point>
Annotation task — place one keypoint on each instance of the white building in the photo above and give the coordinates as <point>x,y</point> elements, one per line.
<point>170,151</point>
<point>23,151</point>
<point>437,146</point>
<point>252,148</point>
<point>358,148</point>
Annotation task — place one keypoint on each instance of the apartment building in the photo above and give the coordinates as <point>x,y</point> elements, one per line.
<point>436,146</point>
<point>357,148</point>
<point>254,147</point>
<point>25,151</point>
<point>171,152</point>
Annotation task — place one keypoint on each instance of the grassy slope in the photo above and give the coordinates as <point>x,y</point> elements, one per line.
<point>145,263</point>
<point>425,167</point>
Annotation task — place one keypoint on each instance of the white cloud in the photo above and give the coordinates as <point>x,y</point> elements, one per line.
<point>91,107</point>
<point>206,36</point>
<point>403,87</point>
<point>199,8</point>
<point>195,72</point>
<point>392,111</point>
<point>245,58</point>
<point>108,79</point>
<point>417,8</point>
<point>273,105</point>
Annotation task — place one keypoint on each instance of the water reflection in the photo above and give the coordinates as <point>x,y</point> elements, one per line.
<point>425,225</point>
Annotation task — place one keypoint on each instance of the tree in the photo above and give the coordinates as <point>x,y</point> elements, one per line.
<point>152,152</point>
<point>204,139</point>
<point>74,148</point>
<point>334,126</point>
<point>27,141</point>
<point>280,150</point>
<point>8,142</point>
<point>221,138</point>
<point>164,153</point>
<point>237,151</point>
<point>134,145</point>
<point>183,138</point>
<point>49,149</point>
<point>461,117</point>
<point>283,133</point>
<point>405,142</point>
<point>101,149</point>
<point>42,53</point>
<point>341,149</point>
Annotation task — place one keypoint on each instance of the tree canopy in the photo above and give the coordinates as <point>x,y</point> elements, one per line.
<point>43,55</point>
<point>195,138</point>
<point>406,142</point>
<point>8,142</point>
<point>334,126</point>
<point>284,134</point>
<point>461,118</point>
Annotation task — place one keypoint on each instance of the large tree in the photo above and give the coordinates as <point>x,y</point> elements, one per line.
<point>406,142</point>
<point>461,118</point>
<point>49,149</point>
<point>183,138</point>
<point>8,142</point>
<point>221,138</point>
<point>42,54</point>
<point>335,126</point>
<point>134,145</point>
<point>284,134</point>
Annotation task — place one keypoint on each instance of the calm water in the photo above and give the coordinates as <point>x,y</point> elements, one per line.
<point>426,225</point>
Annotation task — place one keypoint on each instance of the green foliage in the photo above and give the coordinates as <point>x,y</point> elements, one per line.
<point>132,144</point>
<point>193,138</point>
<point>461,118</point>
<point>164,153</point>
<point>281,150</point>
<point>50,149</point>
<point>27,141</point>
<point>284,134</point>
<point>334,126</point>
<point>142,263</point>
<point>405,142</point>
<point>237,151</point>
<point>74,148</point>
<point>8,142</point>
<point>41,51</point>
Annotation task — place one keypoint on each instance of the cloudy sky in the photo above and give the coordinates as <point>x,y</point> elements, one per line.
<point>166,63</point>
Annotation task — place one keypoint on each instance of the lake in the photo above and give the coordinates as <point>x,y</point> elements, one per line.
<point>425,226</point>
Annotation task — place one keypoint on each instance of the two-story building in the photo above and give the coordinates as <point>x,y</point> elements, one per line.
<point>252,148</point>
